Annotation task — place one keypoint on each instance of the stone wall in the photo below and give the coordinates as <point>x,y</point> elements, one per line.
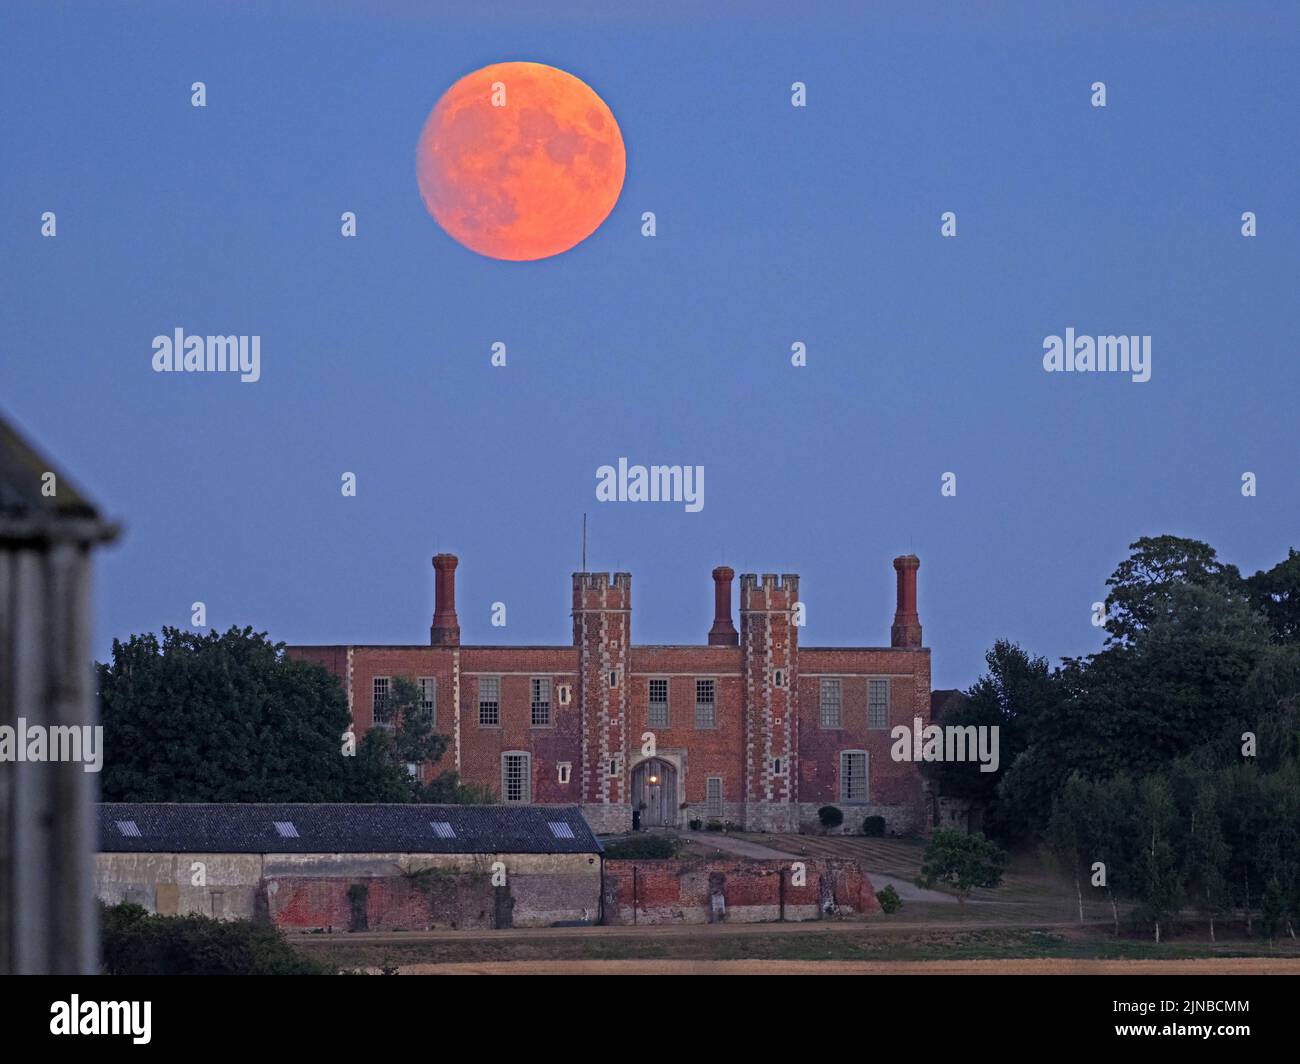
<point>359,891</point>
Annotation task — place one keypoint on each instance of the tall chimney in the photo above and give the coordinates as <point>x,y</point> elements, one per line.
<point>723,633</point>
<point>445,630</point>
<point>906,631</point>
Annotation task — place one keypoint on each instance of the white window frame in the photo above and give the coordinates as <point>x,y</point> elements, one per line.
<point>564,771</point>
<point>874,722</point>
<point>539,686</point>
<point>712,704</point>
<point>713,803</point>
<point>525,779</point>
<point>429,698</point>
<point>381,706</point>
<point>847,796</point>
<point>494,681</point>
<point>664,719</point>
<point>830,683</point>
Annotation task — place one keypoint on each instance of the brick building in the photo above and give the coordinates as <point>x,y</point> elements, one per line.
<point>750,727</point>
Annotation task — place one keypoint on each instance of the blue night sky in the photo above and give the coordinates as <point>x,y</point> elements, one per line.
<point>775,225</point>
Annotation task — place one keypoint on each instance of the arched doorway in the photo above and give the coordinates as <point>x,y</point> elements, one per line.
<point>654,790</point>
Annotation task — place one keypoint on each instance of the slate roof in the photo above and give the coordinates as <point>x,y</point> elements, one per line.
<point>165,827</point>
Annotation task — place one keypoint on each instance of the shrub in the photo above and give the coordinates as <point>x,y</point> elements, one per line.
<point>874,826</point>
<point>889,900</point>
<point>136,943</point>
<point>696,824</point>
<point>961,861</point>
<point>830,816</point>
<point>646,847</point>
<point>713,825</point>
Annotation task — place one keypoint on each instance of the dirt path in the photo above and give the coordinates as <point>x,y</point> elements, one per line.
<point>1198,966</point>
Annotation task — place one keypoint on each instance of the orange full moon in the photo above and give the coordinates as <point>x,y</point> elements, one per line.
<point>520,161</point>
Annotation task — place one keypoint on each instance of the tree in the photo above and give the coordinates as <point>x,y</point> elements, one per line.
<point>1140,583</point>
<point>1276,592</point>
<point>1010,697</point>
<point>1116,840</point>
<point>405,744</point>
<point>1137,705</point>
<point>1159,885</point>
<point>229,718</point>
<point>1207,852</point>
<point>961,861</point>
<point>1072,830</point>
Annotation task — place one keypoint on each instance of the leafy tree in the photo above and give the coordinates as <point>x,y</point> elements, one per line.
<point>1138,705</point>
<point>1014,692</point>
<point>229,718</point>
<point>1207,853</point>
<point>1114,802</point>
<point>1072,832</point>
<point>1140,584</point>
<point>961,861</point>
<point>222,718</point>
<point>397,750</point>
<point>1276,592</point>
<point>1159,885</point>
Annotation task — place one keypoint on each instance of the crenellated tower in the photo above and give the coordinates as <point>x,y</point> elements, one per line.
<point>602,634</point>
<point>769,644</point>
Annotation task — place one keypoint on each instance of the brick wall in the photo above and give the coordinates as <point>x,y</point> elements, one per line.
<point>680,891</point>
<point>308,892</point>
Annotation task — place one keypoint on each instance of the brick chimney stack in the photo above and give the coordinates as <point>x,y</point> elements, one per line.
<point>445,630</point>
<point>906,631</point>
<point>723,633</point>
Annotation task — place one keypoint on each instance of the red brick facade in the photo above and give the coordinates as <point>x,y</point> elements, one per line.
<point>765,753</point>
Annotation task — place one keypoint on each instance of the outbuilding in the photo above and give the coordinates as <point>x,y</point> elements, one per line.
<point>353,867</point>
